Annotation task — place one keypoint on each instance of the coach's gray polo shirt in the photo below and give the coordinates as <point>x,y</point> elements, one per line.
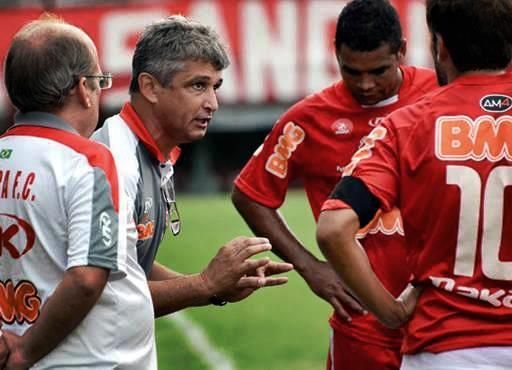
<point>141,167</point>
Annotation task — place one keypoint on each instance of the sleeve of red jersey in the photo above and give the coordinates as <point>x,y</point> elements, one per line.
<point>266,176</point>
<point>376,164</point>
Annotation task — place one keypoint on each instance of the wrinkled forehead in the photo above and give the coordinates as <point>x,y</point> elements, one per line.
<point>363,61</point>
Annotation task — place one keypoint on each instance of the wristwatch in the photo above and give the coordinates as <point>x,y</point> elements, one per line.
<point>217,301</point>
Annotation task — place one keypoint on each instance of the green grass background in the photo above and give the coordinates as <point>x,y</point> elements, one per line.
<point>277,328</point>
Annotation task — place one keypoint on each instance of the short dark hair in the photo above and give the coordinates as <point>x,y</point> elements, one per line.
<point>477,34</point>
<point>43,64</point>
<point>165,46</point>
<point>365,25</point>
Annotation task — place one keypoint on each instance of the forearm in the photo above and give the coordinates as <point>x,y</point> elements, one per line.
<point>336,238</point>
<point>70,303</point>
<point>180,292</point>
<point>269,223</point>
<point>161,272</point>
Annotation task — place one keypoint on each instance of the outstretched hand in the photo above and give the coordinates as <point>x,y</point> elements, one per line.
<point>258,278</point>
<point>233,275</point>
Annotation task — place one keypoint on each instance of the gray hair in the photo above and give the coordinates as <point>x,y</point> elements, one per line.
<point>43,63</point>
<point>165,46</point>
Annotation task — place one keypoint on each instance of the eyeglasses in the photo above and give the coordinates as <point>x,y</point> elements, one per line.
<point>173,216</point>
<point>104,80</point>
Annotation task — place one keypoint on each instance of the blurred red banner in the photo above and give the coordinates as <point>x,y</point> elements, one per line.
<point>280,50</point>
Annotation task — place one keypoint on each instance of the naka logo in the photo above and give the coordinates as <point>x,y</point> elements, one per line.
<point>16,235</point>
<point>496,103</point>
<point>106,230</point>
<point>287,143</point>
<point>342,126</point>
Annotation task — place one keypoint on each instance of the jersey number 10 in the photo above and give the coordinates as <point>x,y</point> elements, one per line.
<point>470,185</point>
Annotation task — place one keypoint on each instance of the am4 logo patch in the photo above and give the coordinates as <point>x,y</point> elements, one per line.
<point>496,103</point>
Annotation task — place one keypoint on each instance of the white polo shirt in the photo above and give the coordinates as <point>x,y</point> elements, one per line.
<point>61,207</point>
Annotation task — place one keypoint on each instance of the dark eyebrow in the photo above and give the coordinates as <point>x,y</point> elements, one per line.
<point>377,70</point>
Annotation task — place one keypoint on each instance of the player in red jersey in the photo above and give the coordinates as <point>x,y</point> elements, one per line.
<point>447,163</point>
<point>313,141</point>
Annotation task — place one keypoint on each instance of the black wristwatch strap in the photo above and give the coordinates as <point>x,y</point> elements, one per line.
<point>217,301</point>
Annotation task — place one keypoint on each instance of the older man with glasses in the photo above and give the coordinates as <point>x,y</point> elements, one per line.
<point>69,293</point>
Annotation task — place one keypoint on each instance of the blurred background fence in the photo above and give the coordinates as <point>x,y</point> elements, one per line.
<point>281,50</point>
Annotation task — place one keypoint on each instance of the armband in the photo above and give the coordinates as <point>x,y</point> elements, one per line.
<point>355,193</point>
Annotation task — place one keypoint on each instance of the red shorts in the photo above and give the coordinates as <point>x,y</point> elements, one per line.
<point>347,353</point>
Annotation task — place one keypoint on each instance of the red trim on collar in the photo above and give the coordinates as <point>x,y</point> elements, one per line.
<point>133,120</point>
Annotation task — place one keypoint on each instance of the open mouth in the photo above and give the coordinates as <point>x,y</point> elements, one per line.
<point>203,121</point>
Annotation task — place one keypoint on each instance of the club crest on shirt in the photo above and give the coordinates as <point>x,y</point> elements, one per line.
<point>342,126</point>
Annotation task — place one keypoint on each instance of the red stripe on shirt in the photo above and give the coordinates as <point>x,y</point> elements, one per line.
<point>97,154</point>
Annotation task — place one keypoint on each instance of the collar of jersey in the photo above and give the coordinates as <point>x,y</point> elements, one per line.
<point>132,119</point>
<point>481,78</point>
<point>44,119</point>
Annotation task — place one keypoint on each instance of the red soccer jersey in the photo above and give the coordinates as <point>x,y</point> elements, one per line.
<point>313,141</point>
<point>446,162</point>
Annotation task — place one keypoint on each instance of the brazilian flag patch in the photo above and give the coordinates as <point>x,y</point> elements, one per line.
<point>5,153</point>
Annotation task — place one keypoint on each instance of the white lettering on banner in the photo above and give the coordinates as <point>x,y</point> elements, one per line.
<point>269,51</point>
<point>418,53</point>
<point>208,12</point>
<point>322,67</point>
<point>281,49</point>
<point>116,28</point>
<point>496,297</point>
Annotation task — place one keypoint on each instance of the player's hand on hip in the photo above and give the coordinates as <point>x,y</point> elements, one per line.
<point>325,283</point>
<point>4,350</point>
<point>17,359</point>
<point>233,261</point>
<point>408,300</point>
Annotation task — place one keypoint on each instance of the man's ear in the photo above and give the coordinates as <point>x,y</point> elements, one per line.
<point>442,52</point>
<point>402,51</point>
<point>148,87</point>
<point>83,92</point>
